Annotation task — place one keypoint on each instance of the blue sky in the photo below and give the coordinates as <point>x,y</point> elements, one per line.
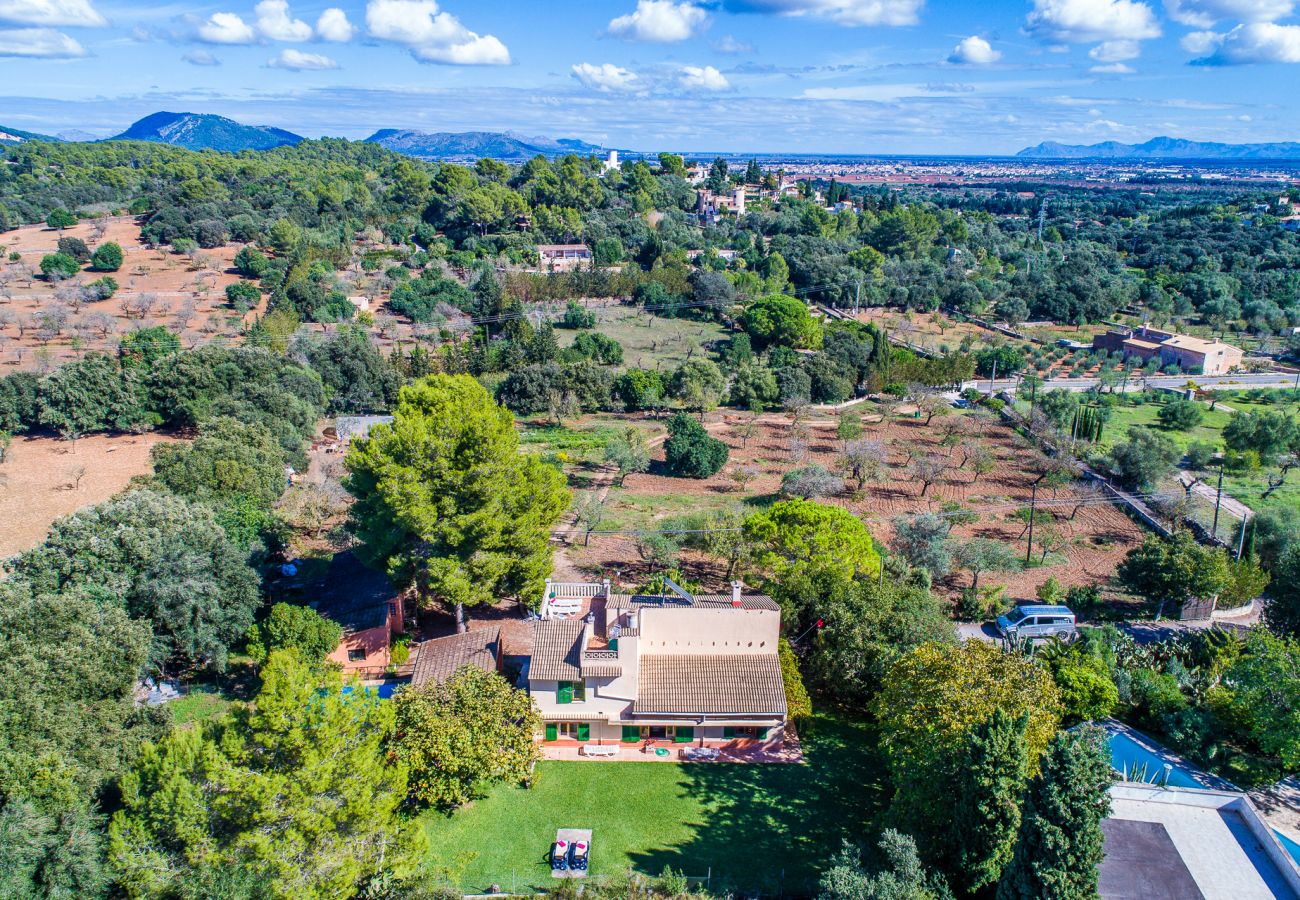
<point>831,76</point>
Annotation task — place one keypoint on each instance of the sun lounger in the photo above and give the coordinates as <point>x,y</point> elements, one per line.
<point>579,855</point>
<point>700,754</point>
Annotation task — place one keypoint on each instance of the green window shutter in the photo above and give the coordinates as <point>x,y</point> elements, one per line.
<point>685,734</point>
<point>580,691</point>
<point>613,644</point>
<point>564,693</point>
<point>631,734</point>
<point>728,731</point>
<point>584,731</point>
<point>551,732</point>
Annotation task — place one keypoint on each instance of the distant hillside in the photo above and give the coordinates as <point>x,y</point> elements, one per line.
<point>199,131</point>
<point>476,144</point>
<point>15,136</point>
<point>1161,148</point>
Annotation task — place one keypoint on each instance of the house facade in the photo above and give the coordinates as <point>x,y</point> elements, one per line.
<point>1190,354</point>
<point>372,614</point>
<point>678,669</point>
<point>563,257</point>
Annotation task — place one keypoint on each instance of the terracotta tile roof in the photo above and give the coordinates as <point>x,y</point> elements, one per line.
<point>438,659</point>
<point>1196,345</point>
<point>699,601</point>
<point>557,650</point>
<point>740,683</point>
<point>601,670</point>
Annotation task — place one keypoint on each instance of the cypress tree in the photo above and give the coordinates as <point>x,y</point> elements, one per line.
<point>986,813</point>
<point>1059,847</point>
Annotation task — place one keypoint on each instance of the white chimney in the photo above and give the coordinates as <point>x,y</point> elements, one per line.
<point>736,587</point>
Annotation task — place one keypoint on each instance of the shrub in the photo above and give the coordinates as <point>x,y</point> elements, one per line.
<point>577,316</point>
<point>690,451</point>
<point>107,258</point>
<point>811,482</point>
<point>74,247</point>
<point>243,295</point>
<point>1199,454</point>
<point>55,266</point>
<point>1181,414</point>
<point>101,288</point>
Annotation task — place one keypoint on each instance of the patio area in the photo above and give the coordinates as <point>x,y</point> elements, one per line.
<point>741,752</point>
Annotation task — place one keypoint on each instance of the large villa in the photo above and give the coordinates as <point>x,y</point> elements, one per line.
<point>681,668</point>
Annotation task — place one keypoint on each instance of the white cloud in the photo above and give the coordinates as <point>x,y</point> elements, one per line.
<point>843,12</point>
<point>1113,69</point>
<point>729,44</point>
<point>226,28</point>
<point>1115,51</point>
<point>298,61</point>
<point>703,78</point>
<point>1204,13</point>
<point>199,57</point>
<point>606,77</point>
<point>974,51</point>
<point>1093,20</point>
<point>38,43</point>
<point>333,25</point>
<point>1258,42</point>
<point>433,36</point>
<point>75,13</point>
<point>659,21</point>
<point>275,23</point>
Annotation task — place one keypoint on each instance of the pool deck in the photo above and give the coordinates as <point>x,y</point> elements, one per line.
<point>1161,842</point>
<point>1279,804</point>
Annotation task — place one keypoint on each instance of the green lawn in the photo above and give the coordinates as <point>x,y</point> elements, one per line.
<point>1248,487</point>
<point>756,827</point>
<point>650,341</point>
<point>201,703</point>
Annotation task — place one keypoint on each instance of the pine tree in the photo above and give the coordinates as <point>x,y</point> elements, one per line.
<point>986,813</point>
<point>1059,847</point>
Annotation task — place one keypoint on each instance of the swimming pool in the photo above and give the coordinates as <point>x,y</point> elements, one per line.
<point>1136,761</point>
<point>1289,846</point>
<point>383,691</point>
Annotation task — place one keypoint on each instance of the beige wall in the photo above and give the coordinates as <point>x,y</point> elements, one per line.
<point>704,632</point>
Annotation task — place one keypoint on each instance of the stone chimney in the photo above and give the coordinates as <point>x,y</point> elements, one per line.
<point>736,588</point>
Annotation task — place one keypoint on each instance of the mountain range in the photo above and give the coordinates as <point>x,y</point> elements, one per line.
<point>17,136</point>
<point>200,131</point>
<point>1161,148</point>
<point>476,144</point>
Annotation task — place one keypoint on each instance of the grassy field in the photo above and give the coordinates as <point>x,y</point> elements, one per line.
<point>651,341</point>
<point>756,827</point>
<point>1248,487</point>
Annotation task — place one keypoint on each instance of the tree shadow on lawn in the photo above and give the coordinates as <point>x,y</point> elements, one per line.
<point>773,828</point>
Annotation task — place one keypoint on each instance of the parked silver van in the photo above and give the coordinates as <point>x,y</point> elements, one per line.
<point>1038,622</point>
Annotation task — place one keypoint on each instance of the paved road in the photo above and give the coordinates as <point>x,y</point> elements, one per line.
<point>1266,380</point>
<point>1144,632</point>
<point>1209,491</point>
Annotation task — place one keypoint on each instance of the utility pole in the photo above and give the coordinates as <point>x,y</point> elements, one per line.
<point>1033,500</point>
<point>1241,540</point>
<point>1218,498</point>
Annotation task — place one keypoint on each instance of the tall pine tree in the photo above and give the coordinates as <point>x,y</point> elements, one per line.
<point>990,785</point>
<point>1059,847</point>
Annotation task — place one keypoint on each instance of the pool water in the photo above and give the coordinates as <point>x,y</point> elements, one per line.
<point>382,691</point>
<point>1130,758</point>
<point>1289,846</point>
